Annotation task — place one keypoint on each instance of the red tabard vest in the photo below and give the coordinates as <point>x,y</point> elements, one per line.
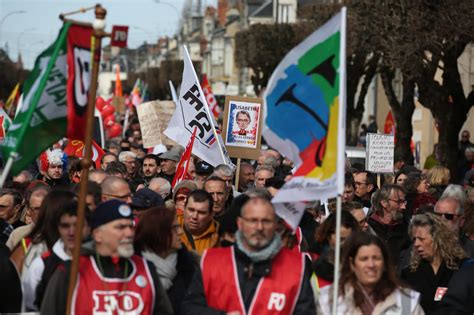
<point>277,293</point>
<point>95,294</point>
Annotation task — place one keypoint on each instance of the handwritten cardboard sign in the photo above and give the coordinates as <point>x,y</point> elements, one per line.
<point>379,152</point>
<point>154,117</point>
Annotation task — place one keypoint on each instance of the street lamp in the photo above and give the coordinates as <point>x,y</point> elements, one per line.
<point>149,34</point>
<point>6,16</point>
<point>171,6</point>
<point>9,14</point>
<point>21,34</point>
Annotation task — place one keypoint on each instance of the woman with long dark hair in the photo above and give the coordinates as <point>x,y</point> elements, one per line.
<point>368,284</point>
<point>42,237</point>
<point>157,239</point>
<point>323,266</point>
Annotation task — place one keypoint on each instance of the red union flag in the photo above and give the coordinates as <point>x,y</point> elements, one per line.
<point>77,148</point>
<point>79,78</point>
<point>210,98</point>
<point>183,165</point>
<point>119,36</point>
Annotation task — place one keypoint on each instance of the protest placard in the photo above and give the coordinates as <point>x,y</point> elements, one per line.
<point>379,151</point>
<point>119,104</point>
<point>165,110</point>
<point>154,117</point>
<point>243,126</point>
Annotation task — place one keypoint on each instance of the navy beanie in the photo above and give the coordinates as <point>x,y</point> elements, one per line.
<point>109,211</point>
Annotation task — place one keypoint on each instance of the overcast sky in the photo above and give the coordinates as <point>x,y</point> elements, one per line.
<point>33,30</point>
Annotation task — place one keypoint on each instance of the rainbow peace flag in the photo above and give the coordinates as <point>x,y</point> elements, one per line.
<point>305,113</point>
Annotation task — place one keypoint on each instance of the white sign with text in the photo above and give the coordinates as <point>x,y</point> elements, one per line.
<point>379,150</point>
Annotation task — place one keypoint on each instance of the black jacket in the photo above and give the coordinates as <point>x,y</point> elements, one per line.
<point>10,286</point>
<point>425,281</point>
<point>459,297</point>
<point>195,301</point>
<point>186,266</point>
<point>394,235</point>
<point>55,297</point>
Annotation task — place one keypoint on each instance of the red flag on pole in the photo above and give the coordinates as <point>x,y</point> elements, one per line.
<point>183,165</point>
<point>389,127</point>
<point>79,62</point>
<point>118,82</point>
<point>211,100</point>
<point>76,148</point>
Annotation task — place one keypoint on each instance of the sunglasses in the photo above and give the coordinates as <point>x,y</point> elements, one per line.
<point>181,198</point>
<point>447,216</point>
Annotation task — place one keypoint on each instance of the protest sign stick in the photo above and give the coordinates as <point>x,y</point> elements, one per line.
<point>125,121</point>
<point>7,168</point>
<point>86,162</point>
<point>237,173</point>
<point>337,255</point>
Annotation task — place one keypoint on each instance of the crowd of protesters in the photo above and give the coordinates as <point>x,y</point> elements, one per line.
<point>213,244</point>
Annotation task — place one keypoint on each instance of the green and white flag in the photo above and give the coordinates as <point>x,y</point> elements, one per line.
<point>42,119</point>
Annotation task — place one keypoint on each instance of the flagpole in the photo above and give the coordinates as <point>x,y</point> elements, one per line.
<point>7,168</point>
<point>337,255</point>
<point>86,162</point>
<point>206,106</point>
<point>125,121</point>
<point>174,97</point>
<point>340,156</point>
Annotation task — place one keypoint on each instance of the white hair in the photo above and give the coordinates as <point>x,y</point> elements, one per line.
<point>455,192</point>
<point>161,186</point>
<point>223,170</point>
<point>126,154</point>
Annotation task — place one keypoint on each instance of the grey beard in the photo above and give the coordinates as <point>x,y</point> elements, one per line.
<point>265,253</point>
<point>397,216</point>
<point>125,250</point>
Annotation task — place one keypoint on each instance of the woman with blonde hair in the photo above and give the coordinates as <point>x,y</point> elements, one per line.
<point>438,178</point>
<point>368,284</point>
<point>436,256</point>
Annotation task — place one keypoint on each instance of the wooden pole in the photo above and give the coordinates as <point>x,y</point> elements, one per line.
<point>237,174</point>
<point>337,254</point>
<point>81,10</point>
<point>86,162</point>
<point>7,168</point>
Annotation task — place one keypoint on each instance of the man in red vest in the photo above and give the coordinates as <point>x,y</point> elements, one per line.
<point>254,276</point>
<point>111,279</point>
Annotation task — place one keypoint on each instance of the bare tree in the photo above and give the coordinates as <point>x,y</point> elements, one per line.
<point>426,39</point>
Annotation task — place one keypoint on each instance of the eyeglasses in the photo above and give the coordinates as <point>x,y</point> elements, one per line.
<point>360,184</point>
<point>35,209</point>
<point>447,216</point>
<point>255,222</point>
<point>129,195</point>
<point>243,120</point>
<point>399,201</point>
<point>181,198</point>
<point>362,222</point>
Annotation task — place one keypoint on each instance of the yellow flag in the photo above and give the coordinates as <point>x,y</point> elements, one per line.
<point>12,97</point>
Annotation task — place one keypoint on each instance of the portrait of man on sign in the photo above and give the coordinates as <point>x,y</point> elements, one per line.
<point>243,118</point>
<point>243,121</point>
